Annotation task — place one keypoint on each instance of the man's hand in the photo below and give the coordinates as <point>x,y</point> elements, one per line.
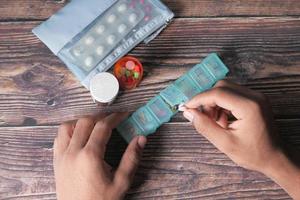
<point>250,140</point>
<point>80,170</point>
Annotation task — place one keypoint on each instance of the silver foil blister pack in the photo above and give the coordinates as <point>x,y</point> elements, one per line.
<point>89,36</point>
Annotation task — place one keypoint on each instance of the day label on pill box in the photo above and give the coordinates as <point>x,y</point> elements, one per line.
<point>200,78</point>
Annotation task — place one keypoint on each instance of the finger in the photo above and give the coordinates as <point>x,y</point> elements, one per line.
<point>229,84</point>
<point>210,111</point>
<point>82,131</point>
<point>221,97</point>
<point>102,131</point>
<point>129,163</point>
<point>63,137</point>
<point>100,116</point>
<point>223,119</point>
<point>217,135</point>
<point>244,91</point>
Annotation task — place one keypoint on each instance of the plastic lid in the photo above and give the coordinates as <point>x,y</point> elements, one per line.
<point>104,87</point>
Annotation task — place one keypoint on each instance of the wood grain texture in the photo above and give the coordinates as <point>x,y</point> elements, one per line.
<point>262,53</point>
<point>42,9</point>
<point>176,163</point>
<point>37,92</point>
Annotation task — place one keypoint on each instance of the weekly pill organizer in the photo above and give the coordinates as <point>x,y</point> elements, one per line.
<point>89,36</point>
<point>147,119</point>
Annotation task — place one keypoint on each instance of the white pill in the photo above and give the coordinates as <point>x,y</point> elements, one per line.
<point>89,61</point>
<point>122,28</point>
<point>99,50</point>
<point>89,40</point>
<point>100,29</point>
<point>122,7</point>
<point>77,51</point>
<point>132,17</point>
<point>111,39</point>
<point>111,18</point>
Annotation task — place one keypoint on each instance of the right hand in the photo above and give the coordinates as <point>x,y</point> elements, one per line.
<point>251,139</point>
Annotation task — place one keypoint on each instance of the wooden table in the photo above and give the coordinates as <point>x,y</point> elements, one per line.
<point>260,42</point>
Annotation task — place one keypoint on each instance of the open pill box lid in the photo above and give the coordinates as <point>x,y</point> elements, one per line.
<point>89,36</point>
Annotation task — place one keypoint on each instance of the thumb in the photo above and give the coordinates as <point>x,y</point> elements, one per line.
<point>209,128</point>
<point>129,163</point>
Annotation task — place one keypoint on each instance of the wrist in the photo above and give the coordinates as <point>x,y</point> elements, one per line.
<point>275,164</point>
<point>282,171</point>
<point>278,164</point>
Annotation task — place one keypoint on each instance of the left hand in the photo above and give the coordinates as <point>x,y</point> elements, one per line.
<point>80,170</point>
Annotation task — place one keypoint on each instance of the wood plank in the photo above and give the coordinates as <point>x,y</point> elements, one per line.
<point>40,9</point>
<point>177,163</point>
<point>262,53</point>
<point>219,8</point>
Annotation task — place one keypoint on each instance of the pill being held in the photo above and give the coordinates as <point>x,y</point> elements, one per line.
<point>122,7</point>
<point>133,17</point>
<point>111,18</point>
<point>89,40</point>
<point>99,50</point>
<point>181,107</point>
<point>111,39</point>
<point>122,28</point>
<point>100,29</point>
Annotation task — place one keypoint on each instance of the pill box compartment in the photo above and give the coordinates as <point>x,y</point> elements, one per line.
<point>129,129</point>
<point>145,120</point>
<point>187,86</point>
<point>202,77</point>
<point>215,66</point>
<point>160,109</point>
<point>173,96</point>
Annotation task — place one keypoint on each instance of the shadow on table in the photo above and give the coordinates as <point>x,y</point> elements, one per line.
<point>290,144</point>
<point>115,150</point>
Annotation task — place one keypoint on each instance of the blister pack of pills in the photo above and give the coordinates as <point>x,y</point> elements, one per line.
<point>159,110</point>
<point>89,36</point>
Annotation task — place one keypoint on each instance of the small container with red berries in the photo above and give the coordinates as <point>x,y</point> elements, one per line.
<point>129,72</point>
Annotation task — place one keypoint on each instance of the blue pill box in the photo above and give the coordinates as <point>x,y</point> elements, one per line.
<point>160,109</point>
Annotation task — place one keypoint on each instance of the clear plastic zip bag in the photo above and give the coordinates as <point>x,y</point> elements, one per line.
<point>89,36</point>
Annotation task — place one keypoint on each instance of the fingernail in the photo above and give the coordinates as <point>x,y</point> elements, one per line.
<point>188,115</point>
<point>142,142</point>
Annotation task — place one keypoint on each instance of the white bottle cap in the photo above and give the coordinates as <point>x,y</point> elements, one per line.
<point>104,88</point>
